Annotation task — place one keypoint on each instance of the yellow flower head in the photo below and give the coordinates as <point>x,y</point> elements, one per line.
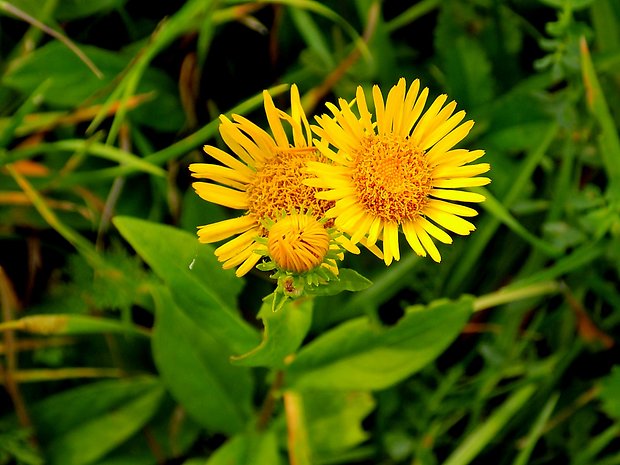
<point>397,170</point>
<point>263,178</point>
<point>298,243</point>
<point>303,253</point>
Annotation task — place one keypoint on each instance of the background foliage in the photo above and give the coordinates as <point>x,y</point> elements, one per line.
<point>124,342</point>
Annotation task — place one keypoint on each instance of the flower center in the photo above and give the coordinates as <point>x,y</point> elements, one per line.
<point>278,186</point>
<point>392,177</point>
<point>298,243</point>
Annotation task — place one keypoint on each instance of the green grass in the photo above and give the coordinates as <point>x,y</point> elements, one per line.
<point>123,341</point>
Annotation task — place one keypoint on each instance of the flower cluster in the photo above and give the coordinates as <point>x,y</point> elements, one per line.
<point>308,193</point>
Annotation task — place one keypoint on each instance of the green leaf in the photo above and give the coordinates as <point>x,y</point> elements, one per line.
<point>468,73</point>
<point>195,368</point>
<point>572,4</point>
<point>58,414</point>
<point>15,443</point>
<point>358,355</point>
<point>608,140</point>
<point>73,9</point>
<point>82,425</point>
<point>284,332</point>
<point>72,83</point>
<point>172,431</point>
<point>67,324</point>
<point>487,431</point>
<point>348,280</point>
<point>335,420</point>
<point>606,19</point>
<point>465,65</point>
<point>610,393</point>
<point>258,448</point>
<point>501,213</point>
<point>200,287</point>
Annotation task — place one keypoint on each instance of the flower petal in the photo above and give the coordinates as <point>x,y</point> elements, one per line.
<point>221,195</point>
<point>451,222</point>
<point>228,160</point>
<point>461,196</point>
<point>412,238</point>
<point>427,242</point>
<point>248,264</point>
<point>215,232</point>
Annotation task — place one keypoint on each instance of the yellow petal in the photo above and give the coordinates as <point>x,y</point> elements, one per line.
<point>448,170</point>
<point>427,119</point>
<point>348,245</point>
<point>449,207</point>
<point>300,120</point>
<point>460,157</point>
<point>374,231</point>
<point>412,238</point>
<point>441,130</point>
<point>344,205</point>
<point>379,110</point>
<point>462,196</point>
<point>228,160</point>
<point>223,229</point>
<point>451,222</point>
<point>336,194</point>
<point>337,135</point>
<point>434,231</point>
<point>221,195</point>
<point>365,116</point>
<point>362,228</point>
<point>394,107</point>
<point>411,96</point>
<point>248,264</point>
<point>352,122</point>
<point>372,247</point>
<point>275,124</point>
<point>456,183</point>
<point>439,150</point>
<point>265,143</point>
<point>416,111</point>
<point>236,245</point>
<point>244,147</point>
<point>350,220</point>
<point>427,242</point>
<point>390,242</point>
<point>220,174</point>
<point>239,258</point>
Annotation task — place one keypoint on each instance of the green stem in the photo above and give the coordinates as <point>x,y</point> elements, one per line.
<point>503,296</point>
<point>13,10</point>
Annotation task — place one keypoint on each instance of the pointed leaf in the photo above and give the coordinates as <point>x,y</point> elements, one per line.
<point>98,435</point>
<point>609,141</point>
<point>69,324</point>
<point>57,415</point>
<point>358,355</point>
<point>195,368</point>
<point>335,420</point>
<point>610,393</point>
<point>198,284</point>
<point>348,280</point>
<point>248,448</point>
<point>284,332</point>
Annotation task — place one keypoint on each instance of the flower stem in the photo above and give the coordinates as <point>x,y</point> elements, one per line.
<point>503,296</point>
<point>269,403</point>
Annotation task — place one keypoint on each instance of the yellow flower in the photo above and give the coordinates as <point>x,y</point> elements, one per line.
<point>263,179</point>
<point>398,171</point>
<point>298,243</point>
<point>303,252</point>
